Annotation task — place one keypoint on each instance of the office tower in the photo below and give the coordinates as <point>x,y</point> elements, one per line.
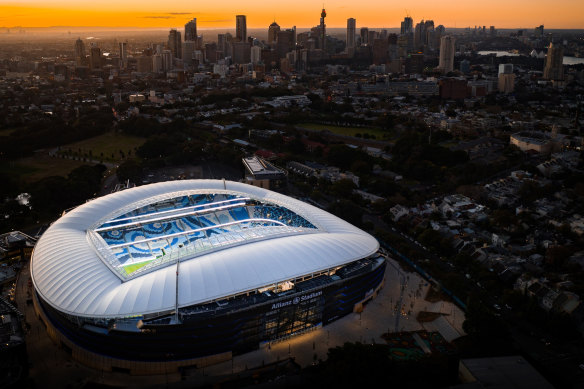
<point>123,54</point>
<point>79,52</point>
<point>506,80</point>
<point>403,43</point>
<point>221,43</point>
<point>407,26</point>
<point>191,30</point>
<point>539,31</point>
<point>225,44</point>
<point>414,64</point>
<point>285,42</point>
<point>211,52</point>
<point>175,43</point>
<point>273,31</point>
<point>380,51</point>
<point>241,52</point>
<point>144,64</point>
<point>256,54</point>
<point>492,31</point>
<point>446,63</point>
<point>95,57</point>
<point>419,35</point>
<point>554,63</point>
<point>364,33</point>
<point>322,30</point>
<point>188,49</point>
<point>351,30</point>
<point>167,61</point>
<point>240,28</point>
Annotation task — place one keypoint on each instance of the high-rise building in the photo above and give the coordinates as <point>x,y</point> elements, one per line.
<point>167,60</point>
<point>285,42</point>
<point>351,30</point>
<point>506,80</point>
<point>554,63</point>
<point>241,52</point>
<point>211,52</point>
<point>240,28</point>
<point>95,57</point>
<point>175,43</point>
<point>123,54</point>
<point>256,54</point>
<point>539,31</point>
<point>322,30</point>
<point>419,35</point>
<point>144,64</point>
<point>407,26</point>
<point>273,31</point>
<point>188,50</point>
<point>446,63</point>
<point>380,51</point>
<point>191,30</point>
<point>79,52</point>
<point>364,33</point>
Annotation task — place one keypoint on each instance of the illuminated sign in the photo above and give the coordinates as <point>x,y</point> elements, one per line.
<point>296,300</point>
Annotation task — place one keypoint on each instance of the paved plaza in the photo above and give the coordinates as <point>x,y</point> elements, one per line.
<point>394,310</point>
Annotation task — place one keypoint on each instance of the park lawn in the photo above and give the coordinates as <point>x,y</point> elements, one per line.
<point>135,266</point>
<point>7,131</point>
<point>41,165</point>
<point>108,144</point>
<point>348,131</point>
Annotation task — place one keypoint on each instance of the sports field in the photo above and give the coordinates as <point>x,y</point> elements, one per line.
<point>109,147</point>
<point>135,266</point>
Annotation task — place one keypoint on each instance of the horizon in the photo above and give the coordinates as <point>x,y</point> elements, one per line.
<point>565,14</point>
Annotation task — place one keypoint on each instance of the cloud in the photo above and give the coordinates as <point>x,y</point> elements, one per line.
<point>216,21</point>
<point>180,13</point>
<point>157,17</point>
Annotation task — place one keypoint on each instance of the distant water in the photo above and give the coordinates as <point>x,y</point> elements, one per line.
<point>501,53</point>
<point>573,60</point>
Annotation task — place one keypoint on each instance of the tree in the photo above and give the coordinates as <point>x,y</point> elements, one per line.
<point>130,170</point>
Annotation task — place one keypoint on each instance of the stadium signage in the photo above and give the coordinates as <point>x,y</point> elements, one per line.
<point>296,300</point>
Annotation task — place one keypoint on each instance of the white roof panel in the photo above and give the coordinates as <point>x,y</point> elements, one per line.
<point>70,275</point>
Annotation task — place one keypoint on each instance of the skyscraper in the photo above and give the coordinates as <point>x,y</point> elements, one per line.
<point>323,30</point>
<point>240,28</point>
<point>554,63</point>
<point>79,52</point>
<point>364,35</point>
<point>419,35</point>
<point>285,42</point>
<point>256,54</point>
<point>351,30</point>
<point>407,26</point>
<point>123,54</point>
<point>175,43</point>
<point>506,80</point>
<point>191,30</point>
<point>95,57</point>
<point>446,63</point>
<point>273,33</point>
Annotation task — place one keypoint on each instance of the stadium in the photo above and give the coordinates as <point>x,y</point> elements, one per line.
<point>193,272</point>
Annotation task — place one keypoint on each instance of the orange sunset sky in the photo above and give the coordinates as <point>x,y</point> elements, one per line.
<point>302,13</point>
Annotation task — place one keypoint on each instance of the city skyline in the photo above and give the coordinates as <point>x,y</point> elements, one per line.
<point>373,14</point>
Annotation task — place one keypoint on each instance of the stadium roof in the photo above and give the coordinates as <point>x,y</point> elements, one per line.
<point>71,272</point>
